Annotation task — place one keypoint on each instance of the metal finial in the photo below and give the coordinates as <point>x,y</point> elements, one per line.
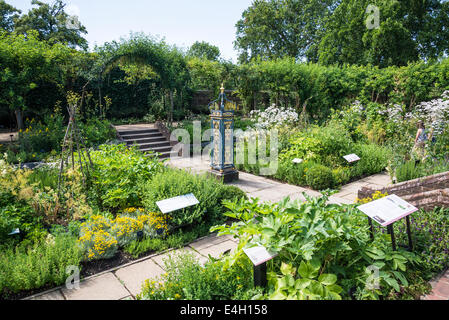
<point>222,88</point>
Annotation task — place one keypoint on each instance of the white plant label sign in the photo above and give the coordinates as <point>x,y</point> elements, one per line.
<point>387,210</point>
<point>352,158</point>
<point>13,232</point>
<point>177,203</point>
<point>259,255</point>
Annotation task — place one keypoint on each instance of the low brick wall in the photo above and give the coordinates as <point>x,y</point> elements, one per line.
<point>425,193</point>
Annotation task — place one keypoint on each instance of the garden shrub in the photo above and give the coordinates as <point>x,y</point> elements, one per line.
<point>341,175</point>
<point>373,159</point>
<point>43,264</point>
<point>292,173</point>
<point>187,279</point>
<point>431,239</point>
<point>172,183</point>
<point>96,131</point>
<point>324,251</point>
<point>319,177</point>
<point>101,236</point>
<point>408,170</point>
<point>335,141</point>
<point>116,173</point>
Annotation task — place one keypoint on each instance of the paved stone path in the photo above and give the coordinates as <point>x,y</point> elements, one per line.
<point>124,282</point>
<point>5,137</point>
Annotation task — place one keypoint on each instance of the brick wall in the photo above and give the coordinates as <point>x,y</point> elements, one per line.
<point>202,98</point>
<point>424,193</point>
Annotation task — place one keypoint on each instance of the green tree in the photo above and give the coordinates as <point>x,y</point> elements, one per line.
<point>7,15</point>
<point>282,28</point>
<point>204,50</point>
<point>165,64</point>
<point>25,61</point>
<point>407,31</point>
<point>53,24</point>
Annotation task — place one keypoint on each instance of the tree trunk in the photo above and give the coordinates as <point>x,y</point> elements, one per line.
<point>19,119</point>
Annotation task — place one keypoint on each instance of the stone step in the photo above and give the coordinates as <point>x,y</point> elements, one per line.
<point>137,136</point>
<point>145,140</point>
<point>157,149</point>
<point>154,145</point>
<point>140,131</point>
<point>165,155</point>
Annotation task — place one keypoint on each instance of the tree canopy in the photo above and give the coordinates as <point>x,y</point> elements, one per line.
<point>282,28</point>
<point>26,61</point>
<point>204,50</point>
<point>336,31</point>
<point>53,24</point>
<point>7,15</point>
<point>408,30</point>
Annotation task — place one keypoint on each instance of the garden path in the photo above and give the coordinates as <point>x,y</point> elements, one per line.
<point>124,282</point>
<point>5,137</point>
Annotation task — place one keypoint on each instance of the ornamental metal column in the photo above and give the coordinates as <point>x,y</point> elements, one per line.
<point>222,124</point>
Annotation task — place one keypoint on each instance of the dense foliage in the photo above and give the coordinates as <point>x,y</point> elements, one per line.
<point>95,217</point>
<point>323,251</point>
<point>380,32</point>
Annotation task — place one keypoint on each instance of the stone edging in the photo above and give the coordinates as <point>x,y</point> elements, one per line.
<point>116,268</point>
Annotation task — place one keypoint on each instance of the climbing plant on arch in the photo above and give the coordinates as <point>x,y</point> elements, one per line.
<point>163,63</point>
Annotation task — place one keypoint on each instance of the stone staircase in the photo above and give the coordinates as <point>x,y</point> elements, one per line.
<point>148,140</point>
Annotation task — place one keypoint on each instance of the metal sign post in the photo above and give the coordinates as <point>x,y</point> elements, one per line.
<point>386,211</point>
<point>259,257</point>
<point>260,275</point>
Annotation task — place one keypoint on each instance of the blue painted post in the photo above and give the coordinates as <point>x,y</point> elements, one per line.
<point>222,125</point>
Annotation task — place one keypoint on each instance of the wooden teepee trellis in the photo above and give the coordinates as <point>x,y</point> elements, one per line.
<point>73,140</point>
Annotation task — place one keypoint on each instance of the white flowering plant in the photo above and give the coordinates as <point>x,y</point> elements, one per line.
<point>274,117</point>
<point>434,113</point>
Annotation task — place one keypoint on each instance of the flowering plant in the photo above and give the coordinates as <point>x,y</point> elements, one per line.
<point>274,117</point>
<point>434,112</point>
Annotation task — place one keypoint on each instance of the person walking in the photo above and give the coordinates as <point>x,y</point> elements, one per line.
<point>420,141</point>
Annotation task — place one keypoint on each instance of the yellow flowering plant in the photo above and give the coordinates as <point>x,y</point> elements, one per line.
<point>375,196</point>
<point>97,244</point>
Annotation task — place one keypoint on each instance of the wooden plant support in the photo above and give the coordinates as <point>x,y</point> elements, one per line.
<point>73,141</point>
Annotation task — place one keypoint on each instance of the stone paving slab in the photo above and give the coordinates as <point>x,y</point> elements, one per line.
<point>6,137</point>
<point>208,242</point>
<point>132,127</point>
<point>217,250</point>
<point>134,275</point>
<point>104,287</point>
<point>247,185</point>
<point>54,295</point>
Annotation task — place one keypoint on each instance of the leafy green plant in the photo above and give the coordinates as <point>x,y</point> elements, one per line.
<point>187,279</point>
<point>315,238</point>
<point>319,177</point>
<point>408,171</point>
<point>209,192</point>
<point>304,284</point>
<point>117,172</point>
<point>43,264</point>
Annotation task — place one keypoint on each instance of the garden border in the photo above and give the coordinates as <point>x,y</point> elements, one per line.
<point>36,295</point>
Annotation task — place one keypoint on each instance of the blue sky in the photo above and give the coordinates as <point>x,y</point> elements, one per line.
<point>180,22</point>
